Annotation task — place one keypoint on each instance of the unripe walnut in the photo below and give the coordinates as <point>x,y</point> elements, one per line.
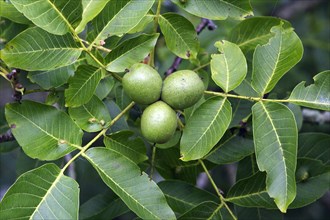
<point>158,122</point>
<point>142,84</point>
<point>182,89</point>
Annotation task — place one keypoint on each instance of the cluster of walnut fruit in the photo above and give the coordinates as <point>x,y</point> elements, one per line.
<point>178,91</point>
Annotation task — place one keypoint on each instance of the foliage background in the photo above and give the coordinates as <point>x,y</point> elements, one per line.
<point>312,26</point>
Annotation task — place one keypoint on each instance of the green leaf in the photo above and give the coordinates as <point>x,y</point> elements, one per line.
<point>241,110</point>
<point>275,141</point>
<point>92,116</point>
<point>124,177</point>
<point>180,35</point>
<point>124,143</point>
<point>205,210</point>
<point>314,146</point>
<point>205,128</point>
<point>56,17</point>
<point>36,49</point>
<point>231,150</point>
<point>104,87</point>
<point>42,193</point>
<point>228,68</point>
<point>82,85</point>
<point>316,95</point>
<point>182,196</point>
<point>130,52</point>
<point>216,9</point>
<point>52,78</point>
<point>91,8</point>
<point>312,182</point>
<point>119,17</point>
<point>114,110</point>
<point>251,192</point>
<point>172,142</point>
<point>272,60</point>
<point>121,97</point>
<point>146,20</point>
<point>43,131</point>
<point>254,31</point>
<point>169,166</point>
<point>10,12</point>
<point>102,204</point>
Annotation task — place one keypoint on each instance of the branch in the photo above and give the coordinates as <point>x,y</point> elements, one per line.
<point>292,8</point>
<point>202,25</point>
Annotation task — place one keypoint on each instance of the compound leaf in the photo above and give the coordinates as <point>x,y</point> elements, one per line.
<point>43,131</point>
<point>42,193</point>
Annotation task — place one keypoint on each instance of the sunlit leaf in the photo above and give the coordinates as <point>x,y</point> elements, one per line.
<point>254,31</point>
<point>180,35</point>
<point>91,8</point>
<point>316,95</point>
<point>82,85</point>
<point>42,193</point>
<point>124,177</point>
<point>205,128</point>
<point>56,17</point>
<point>275,141</point>
<point>36,49</point>
<point>130,52</point>
<point>119,17</point>
<point>228,68</point>
<point>10,12</point>
<point>216,9</point>
<point>43,131</point>
<point>272,60</point>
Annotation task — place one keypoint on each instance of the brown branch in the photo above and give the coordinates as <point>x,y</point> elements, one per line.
<point>6,137</point>
<point>202,25</point>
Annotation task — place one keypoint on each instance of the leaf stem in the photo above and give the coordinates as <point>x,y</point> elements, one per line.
<point>255,99</point>
<point>222,199</point>
<point>97,47</point>
<point>201,67</point>
<point>85,148</point>
<point>153,156</point>
<point>152,54</point>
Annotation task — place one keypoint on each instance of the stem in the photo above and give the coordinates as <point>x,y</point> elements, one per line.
<point>152,161</point>
<point>222,199</point>
<point>201,67</point>
<point>97,47</point>
<point>84,148</point>
<point>255,99</point>
<point>152,54</point>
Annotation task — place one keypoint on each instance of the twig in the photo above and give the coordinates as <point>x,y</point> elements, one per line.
<point>153,156</point>
<point>202,25</point>
<point>290,9</point>
<point>71,168</point>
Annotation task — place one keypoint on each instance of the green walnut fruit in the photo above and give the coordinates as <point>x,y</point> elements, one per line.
<point>158,122</point>
<point>142,84</point>
<point>182,89</point>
